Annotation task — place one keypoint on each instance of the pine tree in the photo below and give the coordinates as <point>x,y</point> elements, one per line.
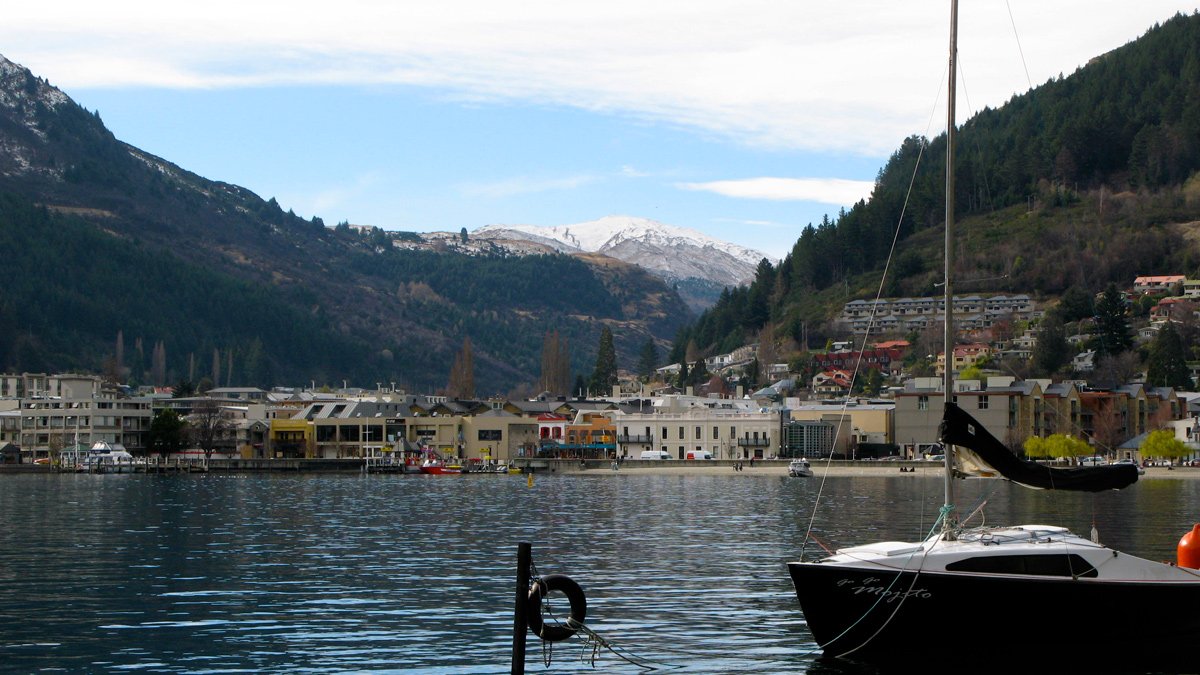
<point>1112,324</point>
<point>1167,363</point>
<point>1052,349</point>
<point>604,375</point>
<point>648,360</point>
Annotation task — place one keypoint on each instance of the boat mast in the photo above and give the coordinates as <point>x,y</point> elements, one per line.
<point>949,521</point>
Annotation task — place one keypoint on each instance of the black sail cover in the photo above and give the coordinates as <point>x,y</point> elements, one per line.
<point>978,453</point>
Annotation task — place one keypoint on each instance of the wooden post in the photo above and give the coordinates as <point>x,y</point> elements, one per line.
<point>520,621</point>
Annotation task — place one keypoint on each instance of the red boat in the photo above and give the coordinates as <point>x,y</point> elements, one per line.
<point>438,468</point>
<point>435,465</point>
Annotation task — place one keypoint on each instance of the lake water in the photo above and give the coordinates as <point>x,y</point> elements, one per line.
<point>343,573</point>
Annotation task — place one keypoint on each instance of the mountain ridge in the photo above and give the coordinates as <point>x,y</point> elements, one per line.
<point>280,298</point>
<point>680,255</point>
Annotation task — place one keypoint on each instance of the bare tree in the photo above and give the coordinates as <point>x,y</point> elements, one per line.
<point>766,352</point>
<point>216,367</point>
<point>158,367</point>
<point>556,364</point>
<point>1115,370</point>
<point>1108,425</point>
<point>462,373</point>
<point>208,423</point>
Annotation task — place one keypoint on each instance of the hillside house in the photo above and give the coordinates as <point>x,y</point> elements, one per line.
<point>834,382</point>
<point>1148,285</point>
<point>965,356</point>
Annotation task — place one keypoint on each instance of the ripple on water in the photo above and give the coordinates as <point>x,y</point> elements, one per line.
<point>215,573</point>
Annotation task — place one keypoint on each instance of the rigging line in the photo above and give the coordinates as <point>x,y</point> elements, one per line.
<point>874,308</point>
<point>945,512</point>
<point>1017,37</point>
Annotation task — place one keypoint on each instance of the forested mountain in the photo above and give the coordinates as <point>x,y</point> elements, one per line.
<point>1085,180</point>
<point>119,260</point>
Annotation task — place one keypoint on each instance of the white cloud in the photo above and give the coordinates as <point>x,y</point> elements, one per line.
<point>818,75</point>
<point>835,191</point>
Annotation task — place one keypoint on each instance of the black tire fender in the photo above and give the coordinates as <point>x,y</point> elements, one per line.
<point>541,587</point>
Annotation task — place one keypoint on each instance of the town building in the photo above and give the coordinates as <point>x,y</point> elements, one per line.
<point>914,314</point>
<point>1014,410</point>
<point>723,432</point>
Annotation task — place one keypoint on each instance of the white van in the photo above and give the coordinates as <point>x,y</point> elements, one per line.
<point>699,454</point>
<point>654,454</point>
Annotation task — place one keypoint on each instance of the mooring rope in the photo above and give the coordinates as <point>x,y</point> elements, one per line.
<point>592,642</point>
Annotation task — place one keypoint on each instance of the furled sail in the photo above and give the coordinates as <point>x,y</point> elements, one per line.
<point>978,453</point>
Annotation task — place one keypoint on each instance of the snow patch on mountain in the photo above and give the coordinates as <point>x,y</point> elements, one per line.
<point>672,252</point>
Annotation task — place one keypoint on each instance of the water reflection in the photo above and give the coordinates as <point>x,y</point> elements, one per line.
<point>336,573</point>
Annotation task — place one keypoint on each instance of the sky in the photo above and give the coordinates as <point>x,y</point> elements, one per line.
<point>743,119</point>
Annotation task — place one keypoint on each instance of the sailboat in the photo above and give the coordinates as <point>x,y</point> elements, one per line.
<point>1026,597</point>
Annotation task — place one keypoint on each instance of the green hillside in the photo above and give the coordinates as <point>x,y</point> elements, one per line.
<point>104,241</point>
<point>1085,180</point>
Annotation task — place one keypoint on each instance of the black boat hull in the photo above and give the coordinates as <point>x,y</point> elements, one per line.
<point>897,618</point>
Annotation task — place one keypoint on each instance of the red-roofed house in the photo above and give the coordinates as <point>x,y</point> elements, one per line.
<point>831,382</point>
<point>1158,284</point>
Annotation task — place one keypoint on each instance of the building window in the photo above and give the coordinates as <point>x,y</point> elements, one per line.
<point>714,433</point>
<point>698,434</point>
<point>983,403</point>
<point>922,403</point>
<point>664,434</point>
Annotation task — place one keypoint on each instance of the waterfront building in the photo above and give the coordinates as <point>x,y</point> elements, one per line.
<point>591,436</point>
<point>858,421</point>
<point>40,385</point>
<point>812,438</point>
<point>552,429</point>
<point>1014,410</point>
<point>47,425</point>
<point>499,435</point>
<point>724,432</point>
<point>291,439</point>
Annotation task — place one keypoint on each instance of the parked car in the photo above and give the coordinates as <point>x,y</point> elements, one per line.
<point>1129,461</point>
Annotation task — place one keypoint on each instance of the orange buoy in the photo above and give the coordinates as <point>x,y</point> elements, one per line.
<point>1187,554</point>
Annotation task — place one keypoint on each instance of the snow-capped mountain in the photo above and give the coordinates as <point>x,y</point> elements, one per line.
<point>677,254</point>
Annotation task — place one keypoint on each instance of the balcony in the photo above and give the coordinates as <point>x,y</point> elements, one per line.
<point>635,439</point>
<point>754,442</point>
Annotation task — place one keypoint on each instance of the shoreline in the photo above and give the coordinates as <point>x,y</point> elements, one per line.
<point>566,467</point>
<point>820,469</point>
